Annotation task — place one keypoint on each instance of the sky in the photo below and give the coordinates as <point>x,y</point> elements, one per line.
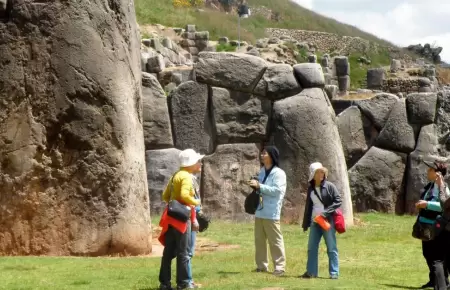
<point>402,22</point>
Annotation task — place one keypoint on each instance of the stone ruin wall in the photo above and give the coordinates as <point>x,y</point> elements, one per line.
<point>327,42</point>
<point>384,139</point>
<point>380,79</point>
<point>236,104</point>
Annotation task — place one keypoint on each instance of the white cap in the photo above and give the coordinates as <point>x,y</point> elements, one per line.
<point>313,168</point>
<point>189,157</point>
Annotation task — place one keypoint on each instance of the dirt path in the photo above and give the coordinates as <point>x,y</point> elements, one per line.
<point>202,245</point>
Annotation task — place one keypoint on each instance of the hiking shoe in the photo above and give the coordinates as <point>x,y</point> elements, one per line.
<point>306,275</point>
<point>278,273</point>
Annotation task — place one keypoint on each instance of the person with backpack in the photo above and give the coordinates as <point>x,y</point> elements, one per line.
<point>271,188</point>
<point>430,208</point>
<point>322,200</point>
<point>442,239</point>
<point>177,220</point>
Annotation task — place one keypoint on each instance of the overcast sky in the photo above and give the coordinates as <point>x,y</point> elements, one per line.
<point>402,22</point>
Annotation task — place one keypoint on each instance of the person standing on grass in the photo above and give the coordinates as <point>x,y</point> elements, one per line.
<point>430,207</point>
<point>322,198</point>
<point>271,185</point>
<point>175,235</point>
<point>192,242</point>
<point>442,241</point>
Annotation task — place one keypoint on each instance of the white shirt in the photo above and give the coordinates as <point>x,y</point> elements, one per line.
<point>318,207</point>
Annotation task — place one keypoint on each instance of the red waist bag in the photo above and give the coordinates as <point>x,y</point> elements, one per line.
<point>339,221</point>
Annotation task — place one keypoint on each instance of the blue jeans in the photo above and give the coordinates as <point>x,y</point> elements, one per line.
<point>191,252</point>
<point>315,235</point>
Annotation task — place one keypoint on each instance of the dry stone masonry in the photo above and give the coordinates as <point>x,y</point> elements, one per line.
<point>236,104</point>
<point>72,175</point>
<point>325,41</point>
<point>385,161</point>
<point>194,41</point>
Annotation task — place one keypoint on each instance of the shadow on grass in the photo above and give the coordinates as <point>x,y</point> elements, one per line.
<point>228,273</point>
<point>81,282</point>
<point>19,268</point>
<point>400,287</point>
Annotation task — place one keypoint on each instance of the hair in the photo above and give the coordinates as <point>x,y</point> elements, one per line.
<point>441,167</point>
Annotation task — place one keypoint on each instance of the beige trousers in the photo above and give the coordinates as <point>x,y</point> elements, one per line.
<point>269,230</point>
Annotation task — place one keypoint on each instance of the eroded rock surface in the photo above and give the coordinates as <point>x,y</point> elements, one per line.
<point>72,173</point>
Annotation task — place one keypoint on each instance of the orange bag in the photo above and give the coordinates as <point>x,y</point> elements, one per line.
<point>323,223</point>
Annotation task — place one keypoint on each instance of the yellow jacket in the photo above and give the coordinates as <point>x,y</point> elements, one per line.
<point>183,189</point>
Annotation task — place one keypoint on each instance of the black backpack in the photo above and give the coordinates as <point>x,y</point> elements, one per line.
<point>253,200</point>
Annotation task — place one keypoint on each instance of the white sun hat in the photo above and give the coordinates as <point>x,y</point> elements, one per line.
<point>189,157</point>
<point>313,168</point>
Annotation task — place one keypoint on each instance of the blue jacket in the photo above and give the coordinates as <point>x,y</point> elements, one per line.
<point>272,192</point>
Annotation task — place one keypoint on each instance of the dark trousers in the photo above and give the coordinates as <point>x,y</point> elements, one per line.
<point>439,267</point>
<point>431,253</point>
<point>176,245</point>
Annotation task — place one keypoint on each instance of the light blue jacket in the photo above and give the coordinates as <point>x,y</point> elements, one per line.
<point>272,191</point>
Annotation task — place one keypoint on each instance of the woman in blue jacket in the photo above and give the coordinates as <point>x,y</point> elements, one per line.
<point>271,185</point>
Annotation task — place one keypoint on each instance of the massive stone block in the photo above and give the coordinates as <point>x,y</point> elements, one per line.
<point>376,181</point>
<point>157,129</point>
<point>421,108</point>
<point>305,132</point>
<point>71,140</point>
<point>398,134</point>
<point>235,71</point>
<point>309,75</point>
<point>375,78</point>
<point>191,119</point>
<point>224,180</point>
<point>378,108</point>
<point>278,82</point>
<point>161,165</point>
<point>357,134</point>
<point>240,117</point>
<point>427,148</point>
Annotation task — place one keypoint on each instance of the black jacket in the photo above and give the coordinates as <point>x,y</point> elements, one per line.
<point>330,197</point>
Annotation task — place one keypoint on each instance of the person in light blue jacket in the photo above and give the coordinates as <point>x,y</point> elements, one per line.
<point>271,186</point>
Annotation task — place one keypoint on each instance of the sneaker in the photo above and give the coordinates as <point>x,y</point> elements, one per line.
<point>306,275</point>
<point>334,277</point>
<point>278,273</point>
<point>165,287</point>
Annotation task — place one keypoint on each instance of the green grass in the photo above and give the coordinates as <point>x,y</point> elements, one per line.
<point>225,47</point>
<point>220,24</point>
<point>380,254</point>
<point>358,71</point>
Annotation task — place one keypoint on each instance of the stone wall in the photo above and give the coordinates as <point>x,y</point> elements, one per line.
<point>194,41</point>
<point>327,42</point>
<point>237,104</point>
<point>385,140</point>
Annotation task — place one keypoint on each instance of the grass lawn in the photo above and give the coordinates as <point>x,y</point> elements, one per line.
<point>379,253</point>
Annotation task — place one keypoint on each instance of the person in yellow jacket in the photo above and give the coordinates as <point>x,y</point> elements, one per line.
<point>176,233</point>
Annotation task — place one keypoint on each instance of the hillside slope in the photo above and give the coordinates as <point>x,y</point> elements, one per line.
<point>290,15</point>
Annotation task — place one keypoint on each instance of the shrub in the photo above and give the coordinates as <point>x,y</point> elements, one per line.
<point>225,47</point>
